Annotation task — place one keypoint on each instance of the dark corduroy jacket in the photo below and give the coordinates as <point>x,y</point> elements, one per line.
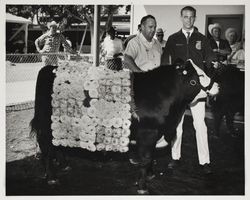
<point>198,49</point>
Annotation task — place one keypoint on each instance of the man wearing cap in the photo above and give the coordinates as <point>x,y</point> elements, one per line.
<point>160,36</point>
<point>50,43</point>
<point>190,44</point>
<point>220,47</point>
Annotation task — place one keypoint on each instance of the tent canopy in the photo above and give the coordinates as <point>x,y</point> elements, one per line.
<point>16,19</point>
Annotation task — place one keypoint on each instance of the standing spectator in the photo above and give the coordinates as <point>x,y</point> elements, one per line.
<point>51,41</point>
<point>67,57</point>
<point>160,36</point>
<point>143,53</point>
<point>189,44</point>
<point>221,47</point>
<point>112,48</point>
<point>232,37</point>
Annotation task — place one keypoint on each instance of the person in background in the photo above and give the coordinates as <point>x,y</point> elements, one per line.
<point>50,43</point>
<point>112,48</point>
<point>160,36</point>
<point>221,47</point>
<point>190,44</point>
<point>238,58</point>
<point>67,57</point>
<point>232,37</point>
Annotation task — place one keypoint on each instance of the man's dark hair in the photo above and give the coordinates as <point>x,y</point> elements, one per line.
<point>190,8</point>
<point>147,17</point>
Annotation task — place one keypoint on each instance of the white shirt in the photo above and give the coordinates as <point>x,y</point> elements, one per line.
<point>112,47</point>
<point>147,55</point>
<point>185,32</point>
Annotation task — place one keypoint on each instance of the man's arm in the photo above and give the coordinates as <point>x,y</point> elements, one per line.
<point>166,58</point>
<point>130,64</point>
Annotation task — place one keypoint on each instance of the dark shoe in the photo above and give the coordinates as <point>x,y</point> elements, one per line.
<point>173,164</point>
<point>206,168</point>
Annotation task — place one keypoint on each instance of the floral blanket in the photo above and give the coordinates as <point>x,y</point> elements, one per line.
<point>91,107</point>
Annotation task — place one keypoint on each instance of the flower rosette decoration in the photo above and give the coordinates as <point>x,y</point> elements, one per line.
<point>91,107</point>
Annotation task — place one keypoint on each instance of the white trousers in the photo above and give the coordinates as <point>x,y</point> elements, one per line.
<point>198,113</point>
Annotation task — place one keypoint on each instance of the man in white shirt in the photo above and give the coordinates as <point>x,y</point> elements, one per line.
<point>143,53</point>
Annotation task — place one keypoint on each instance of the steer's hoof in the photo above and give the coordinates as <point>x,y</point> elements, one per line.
<point>53,182</point>
<point>151,177</point>
<point>143,192</point>
<point>66,169</point>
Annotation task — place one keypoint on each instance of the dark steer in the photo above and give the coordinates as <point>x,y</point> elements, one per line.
<point>161,97</point>
<point>230,99</point>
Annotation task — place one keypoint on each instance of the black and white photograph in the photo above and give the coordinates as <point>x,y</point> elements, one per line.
<point>127,99</point>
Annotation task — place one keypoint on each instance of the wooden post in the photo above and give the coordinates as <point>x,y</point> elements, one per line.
<point>96,35</point>
<point>26,38</point>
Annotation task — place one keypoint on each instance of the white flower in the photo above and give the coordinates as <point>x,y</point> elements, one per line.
<point>117,122</point>
<point>126,124</point>
<point>117,132</point>
<point>93,102</point>
<point>126,90</point>
<point>55,126</point>
<point>115,148</point>
<point>55,118</point>
<point>124,141</point>
<point>108,132</point>
<point>91,147</point>
<point>91,112</point>
<point>93,93</point>
<point>107,140</point>
<point>83,136</point>
<point>90,129</point>
<point>108,147</point>
<point>126,82</point>
<point>102,81</point>
<point>100,147</point>
<point>109,82</point>
<point>100,138</point>
<point>117,81</point>
<point>106,123</point>
<point>115,141</point>
<point>83,144</point>
<point>108,97</point>
<point>125,132</point>
<point>76,121</point>
<point>55,103</point>
<point>116,89</point>
<point>56,134</point>
<point>55,142</point>
<point>123,149</point>
<point>117,97</point>
<point>56,112</point>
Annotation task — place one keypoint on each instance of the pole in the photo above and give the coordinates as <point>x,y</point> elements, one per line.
<point>96,35</point>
